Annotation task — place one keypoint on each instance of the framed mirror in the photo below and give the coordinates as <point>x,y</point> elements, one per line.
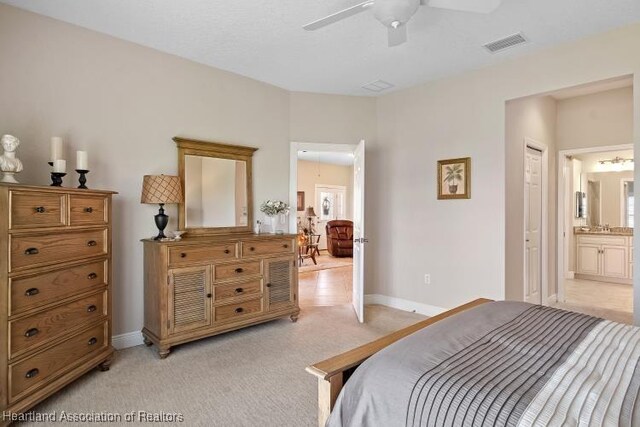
<point>216,179</point>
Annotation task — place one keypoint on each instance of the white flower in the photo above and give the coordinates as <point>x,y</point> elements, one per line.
<point>274,207</point>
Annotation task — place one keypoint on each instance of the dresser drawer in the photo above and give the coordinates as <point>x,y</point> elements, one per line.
<point>201,254</point>
<point>35,291</point>
<point>43,249</point>
<point>268,247</point>
<point>37,210</point>
<point>29,332</point>
<point>88,210</point>
<point>237,270</point>
<point>238,310</point>
<point>236,290</point>
<point>31,372</point>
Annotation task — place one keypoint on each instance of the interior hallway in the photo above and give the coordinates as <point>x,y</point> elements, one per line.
<point>326,287</point>
<point>611,301</point>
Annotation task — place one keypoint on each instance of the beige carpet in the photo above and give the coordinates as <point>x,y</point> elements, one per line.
<point>325,262</point>
<point>252,377</point>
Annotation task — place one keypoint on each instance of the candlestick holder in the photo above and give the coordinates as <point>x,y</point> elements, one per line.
<point>56,179</point>
<point>83,178</point>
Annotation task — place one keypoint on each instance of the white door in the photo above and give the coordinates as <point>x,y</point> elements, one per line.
<point>614,261</point>
<point>358,231</point>
<point>533,223</point>
<point>588,259</point>
<point>330,205</point>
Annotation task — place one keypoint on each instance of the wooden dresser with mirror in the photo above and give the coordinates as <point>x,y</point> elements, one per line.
<point>220,277</point>
<point>55,301</point>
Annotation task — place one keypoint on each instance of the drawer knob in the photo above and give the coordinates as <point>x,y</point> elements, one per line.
<point>92,276</point>
<point>31,332</point>
<point>239,270</point>
<point>40,209</point>
<point>183,255</point>
<point>92,243</point>
<point>92,341</point>
<point>285,246</point>
<point>32,373</point>
<point>31,292</point>
<point>239,290</point>
<point>252,249</point>
<point>32,251</point>
<point>88,210</point>
<point>209,295</point>
<point>91,308</point>
<point>239,310</point>
<point>268,285</point>
<point>227,251</point>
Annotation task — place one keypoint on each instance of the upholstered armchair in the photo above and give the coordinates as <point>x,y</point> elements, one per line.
<point>340,238</point>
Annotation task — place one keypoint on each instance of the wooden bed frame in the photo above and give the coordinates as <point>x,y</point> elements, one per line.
<point>334,372</point>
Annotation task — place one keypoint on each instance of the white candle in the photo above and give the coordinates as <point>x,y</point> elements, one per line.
<point>60,166</point>
<point>82,160</point>
<point>56,148</point>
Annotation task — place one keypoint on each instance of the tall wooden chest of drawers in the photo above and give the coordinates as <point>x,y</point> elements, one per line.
<point>55,298</point>
<point>204,286</point>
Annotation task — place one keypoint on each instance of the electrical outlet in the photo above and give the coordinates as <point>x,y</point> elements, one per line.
<point>427,279</point>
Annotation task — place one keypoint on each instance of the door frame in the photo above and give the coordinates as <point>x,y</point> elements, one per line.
<point>544,223</point>
<point>564,228</point>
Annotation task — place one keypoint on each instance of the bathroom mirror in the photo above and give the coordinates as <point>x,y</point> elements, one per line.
<point>216,179</point>
<point>609,198</point>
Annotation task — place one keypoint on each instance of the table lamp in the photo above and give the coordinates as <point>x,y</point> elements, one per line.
<point>161,189</point>
<point>310,214</point>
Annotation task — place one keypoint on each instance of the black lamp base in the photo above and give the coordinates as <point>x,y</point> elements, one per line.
<point>161,222</point>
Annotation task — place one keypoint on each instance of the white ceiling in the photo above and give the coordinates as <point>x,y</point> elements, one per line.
<point>331,157</point>
<point>264,40</point>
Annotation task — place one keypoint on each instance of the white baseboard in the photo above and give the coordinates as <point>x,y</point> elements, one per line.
<point>403,304</point>
<point>130,339</point>
<point>552,299</point>
<point>571,275</point>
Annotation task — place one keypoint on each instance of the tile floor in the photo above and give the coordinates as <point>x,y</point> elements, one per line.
<point>610,301</point>
<point>325,287</point>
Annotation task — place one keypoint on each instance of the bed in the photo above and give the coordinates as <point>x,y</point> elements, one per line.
<point>488,363</point>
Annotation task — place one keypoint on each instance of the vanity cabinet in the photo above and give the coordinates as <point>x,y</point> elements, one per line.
<point>604,257</point>
<point>204,286</point>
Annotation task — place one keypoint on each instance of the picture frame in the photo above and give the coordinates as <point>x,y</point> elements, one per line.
<point>300,202</point>
<point>454,178</point>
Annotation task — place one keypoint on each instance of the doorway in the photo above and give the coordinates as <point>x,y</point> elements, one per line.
<point>595,273</point>
<point>327,192</point>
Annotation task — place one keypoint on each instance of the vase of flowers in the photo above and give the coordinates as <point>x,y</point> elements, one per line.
<point>275,210</point>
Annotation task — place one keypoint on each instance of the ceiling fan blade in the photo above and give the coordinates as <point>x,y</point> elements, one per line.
<point>335,17</point>
<point>479,6</point>
<point>397,35</point>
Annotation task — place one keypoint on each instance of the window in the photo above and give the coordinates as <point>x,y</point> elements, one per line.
<point>628,201</point>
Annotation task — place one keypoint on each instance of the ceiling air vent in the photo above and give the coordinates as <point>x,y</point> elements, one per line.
<point>506,43</point>
<point>378,86</point>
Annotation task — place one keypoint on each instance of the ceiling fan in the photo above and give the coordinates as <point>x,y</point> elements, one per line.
<point>394,14</point>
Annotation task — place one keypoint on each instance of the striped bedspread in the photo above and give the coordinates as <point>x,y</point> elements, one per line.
<point>501,364</point>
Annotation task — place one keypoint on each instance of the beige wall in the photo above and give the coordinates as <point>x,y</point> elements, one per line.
<point>529,118</point>
<point>332,118</point>
<point>312,173</point>
<point>123,103</point>
<point>462,242</point>
<point>600,119</point>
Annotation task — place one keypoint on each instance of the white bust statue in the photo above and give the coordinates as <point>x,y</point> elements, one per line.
<point>9,163</point>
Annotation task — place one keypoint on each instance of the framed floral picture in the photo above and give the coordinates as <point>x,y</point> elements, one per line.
<point>300,201</point>
<point>454,178</point>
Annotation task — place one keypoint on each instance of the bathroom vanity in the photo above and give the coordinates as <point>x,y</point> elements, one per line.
<point>604,255</point>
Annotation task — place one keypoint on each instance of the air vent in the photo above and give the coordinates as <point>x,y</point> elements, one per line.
<point>506,43</point>
<point>378,86</point>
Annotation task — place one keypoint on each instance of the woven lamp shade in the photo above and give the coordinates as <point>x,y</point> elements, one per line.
<point>158,189</point>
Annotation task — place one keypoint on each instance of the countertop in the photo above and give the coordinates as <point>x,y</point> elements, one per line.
<point>615,231</point>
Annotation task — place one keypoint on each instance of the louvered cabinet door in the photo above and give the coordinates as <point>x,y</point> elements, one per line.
<point>281,283</point>
<point>189,298</point>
